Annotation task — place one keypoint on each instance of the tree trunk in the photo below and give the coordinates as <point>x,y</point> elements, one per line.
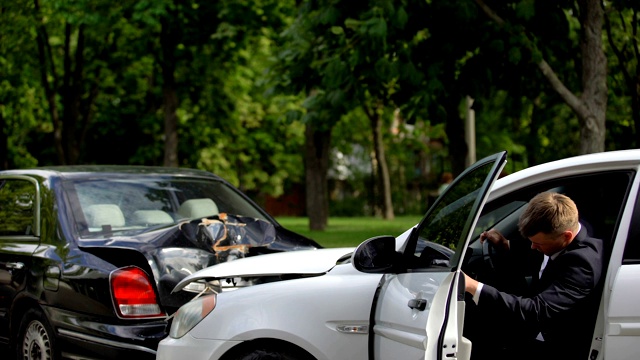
<point>72,94</point>
<point>458,147</point>
<point>45,60</point>
<point>170,98</point>
<point>591,106</point>
<point>4,144</point>
<point>531,142</point>
<point>70,129</point>
<point>316,168</point>
<point>635,107</point>
<point>594,78</point>
<point>382,179</point>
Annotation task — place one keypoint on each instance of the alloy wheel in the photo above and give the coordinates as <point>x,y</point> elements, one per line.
<point>36,344</point>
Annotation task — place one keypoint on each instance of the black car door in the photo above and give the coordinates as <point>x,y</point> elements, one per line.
<point>19,237</point>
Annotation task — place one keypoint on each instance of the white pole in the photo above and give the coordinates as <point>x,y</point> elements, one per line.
<point>470,132</point>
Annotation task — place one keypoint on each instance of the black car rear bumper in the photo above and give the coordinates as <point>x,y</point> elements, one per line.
<point>83,336</point>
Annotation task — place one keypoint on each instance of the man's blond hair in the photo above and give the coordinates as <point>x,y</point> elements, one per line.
<point>550,213</point>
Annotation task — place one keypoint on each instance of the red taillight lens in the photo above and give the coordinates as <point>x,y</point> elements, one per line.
<point>133,295</point>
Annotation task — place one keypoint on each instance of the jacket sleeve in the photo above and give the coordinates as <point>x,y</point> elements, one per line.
<point>567,281</point>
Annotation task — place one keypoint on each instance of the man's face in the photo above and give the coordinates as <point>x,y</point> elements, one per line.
<point>549,244</point>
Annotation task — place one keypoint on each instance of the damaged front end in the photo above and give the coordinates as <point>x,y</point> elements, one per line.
<point>262,269</point>
<point>175,252</point>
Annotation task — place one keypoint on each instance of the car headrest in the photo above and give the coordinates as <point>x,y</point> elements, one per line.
<point>151,217</point>
<point>104,214</point>
<point>198,208</point>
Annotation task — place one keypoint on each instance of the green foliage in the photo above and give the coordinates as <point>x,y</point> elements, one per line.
<point>249,75</point>
<point>621,24</point>
<point>21,107</point>
<point>525,10</point>
<point>347,60</point>
<point>250,142</point>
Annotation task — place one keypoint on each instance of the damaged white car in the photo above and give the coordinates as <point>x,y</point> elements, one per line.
<point>404,295</point>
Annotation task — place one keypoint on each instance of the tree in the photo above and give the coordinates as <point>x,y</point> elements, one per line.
<point>621,24</point>
<point>591,105</point>
<point>316,151</point>
<point>294,73</point>
<point>89,33</point>
<point>20,107</point>
<point>347,55</point>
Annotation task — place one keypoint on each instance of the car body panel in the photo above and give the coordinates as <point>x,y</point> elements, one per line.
<point>623,323</point>
<point>312,327</point>
<point>52,259</point>
<point>582,164</point>
<point>402,328</point>
<point>341,312</point>
<point>615,334</point>
<point>619,329</point>
<point>606,343</point>
<point>610,341</point>
<point>303,262</point>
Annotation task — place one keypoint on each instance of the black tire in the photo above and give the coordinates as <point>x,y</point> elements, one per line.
<point>36,339</point>
<point>261,354</point>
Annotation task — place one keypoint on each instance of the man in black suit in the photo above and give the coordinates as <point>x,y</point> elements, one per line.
<point>556,318</point>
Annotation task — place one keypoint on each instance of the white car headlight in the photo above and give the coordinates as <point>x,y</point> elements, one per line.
<point>190,314</point>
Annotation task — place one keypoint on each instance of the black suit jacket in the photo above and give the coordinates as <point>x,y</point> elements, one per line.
<point>562,304</point>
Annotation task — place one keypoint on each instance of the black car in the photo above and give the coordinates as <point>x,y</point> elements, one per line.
<point>89,254</point>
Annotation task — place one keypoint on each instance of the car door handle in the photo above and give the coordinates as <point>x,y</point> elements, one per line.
<point>418,304</point>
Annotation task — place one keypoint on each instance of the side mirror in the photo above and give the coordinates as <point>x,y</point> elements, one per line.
<point>376,255</point>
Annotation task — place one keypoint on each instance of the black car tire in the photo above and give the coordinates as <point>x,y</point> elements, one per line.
<point>264,355</point>
<point>36,339</point>
<point>261,354</point>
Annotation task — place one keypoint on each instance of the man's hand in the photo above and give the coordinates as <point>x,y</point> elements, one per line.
<point>470,285</point>
<point>495,238</point>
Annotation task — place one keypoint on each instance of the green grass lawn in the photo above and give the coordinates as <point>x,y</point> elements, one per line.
<point>349,231</point>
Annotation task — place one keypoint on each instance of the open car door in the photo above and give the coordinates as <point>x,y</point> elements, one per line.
<point>418,311</point>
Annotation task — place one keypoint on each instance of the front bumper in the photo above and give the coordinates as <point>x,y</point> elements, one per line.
<point>188,347</point>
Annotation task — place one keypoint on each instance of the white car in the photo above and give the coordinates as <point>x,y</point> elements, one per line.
<point>402,297</point>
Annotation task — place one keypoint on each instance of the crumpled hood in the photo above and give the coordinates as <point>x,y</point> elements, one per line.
<point>300,262</point>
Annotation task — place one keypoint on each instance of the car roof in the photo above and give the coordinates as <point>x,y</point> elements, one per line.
<point>602,161</point>
<point>91,170</point>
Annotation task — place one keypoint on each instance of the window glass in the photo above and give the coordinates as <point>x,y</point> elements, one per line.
<point>119,203</point>
<point>17,199</point>
<point>448,221</point>
<point>492,217</point>
<point>600,198</point>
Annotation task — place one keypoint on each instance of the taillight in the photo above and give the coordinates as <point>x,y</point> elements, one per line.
<point>133,295</point>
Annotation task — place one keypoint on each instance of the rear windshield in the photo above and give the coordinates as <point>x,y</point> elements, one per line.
<point>140,204</point>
